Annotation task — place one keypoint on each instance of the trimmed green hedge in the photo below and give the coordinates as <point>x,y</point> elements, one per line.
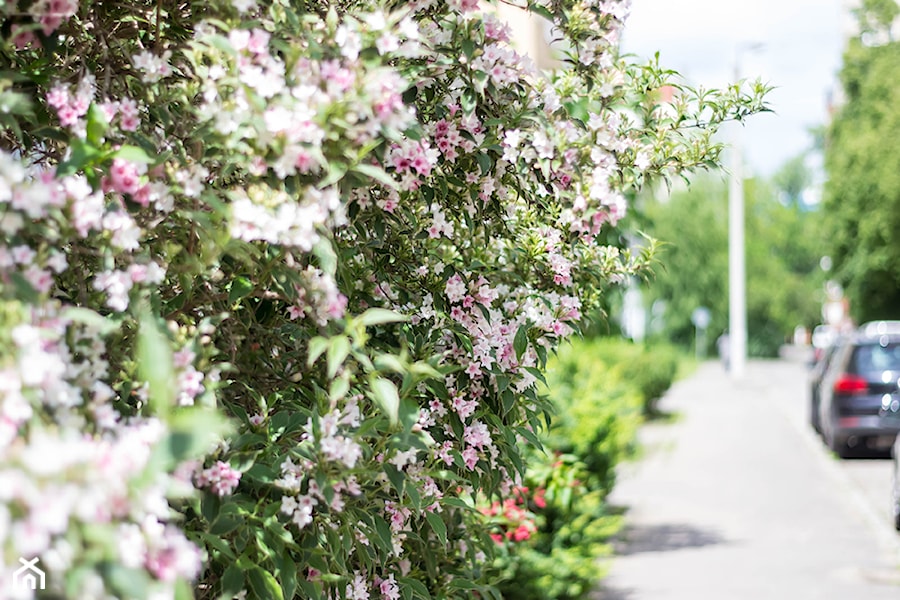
<point>601,389</point>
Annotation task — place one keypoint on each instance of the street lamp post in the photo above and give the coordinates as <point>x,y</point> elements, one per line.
<point>737,276</point>
<point>737,272</point>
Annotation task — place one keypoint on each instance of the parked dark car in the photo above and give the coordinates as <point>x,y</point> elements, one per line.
<point>859,394</point>
<point>895,486</point>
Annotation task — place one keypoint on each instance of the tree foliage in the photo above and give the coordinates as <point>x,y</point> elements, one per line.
<point>782,254</point>
<point>862,195</point>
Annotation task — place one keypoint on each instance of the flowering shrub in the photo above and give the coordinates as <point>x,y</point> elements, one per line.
<point>279,279</point>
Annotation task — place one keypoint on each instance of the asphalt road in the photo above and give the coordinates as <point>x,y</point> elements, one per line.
<point>734,498</point>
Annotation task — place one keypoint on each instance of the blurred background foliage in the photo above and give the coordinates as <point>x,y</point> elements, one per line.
<point>861,204</point>
<point>783,250</point>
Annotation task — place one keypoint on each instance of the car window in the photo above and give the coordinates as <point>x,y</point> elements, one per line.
<point>875,357</point>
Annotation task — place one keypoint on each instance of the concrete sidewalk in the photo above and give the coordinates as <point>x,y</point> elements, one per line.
<point>730,502</point>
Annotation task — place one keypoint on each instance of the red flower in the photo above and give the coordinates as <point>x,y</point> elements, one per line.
<point>522,532</point>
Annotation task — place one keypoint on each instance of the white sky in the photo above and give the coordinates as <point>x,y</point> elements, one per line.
<point>803,42</point>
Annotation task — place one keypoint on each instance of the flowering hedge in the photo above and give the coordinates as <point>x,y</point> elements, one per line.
<point>556,531</point>
<point>279,278</point>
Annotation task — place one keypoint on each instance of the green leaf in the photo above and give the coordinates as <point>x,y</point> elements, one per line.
<point>379,316</point>
<point>326,255</point>
<point>232,581</point>
<point>209,506</point>
<point>389,362</point>
<point>154,356</point>
<point>193,432</point>
<point>217,543</point>
<point>338,350</point>
<point>287,572</point>
<point>408,413</point>
<point>96,125</point>
<point>134,154</point>
<point>127,582</point>
<point>530,436</point>
<point>240,287</point>
<point>82,155</point>
<point>468,47</point>
<point>520,342</point>
<point>338,388</point>
<point>377,173</point>
<point>384,539</point>
<point>317,346</point>
<point>415,586</point>
<point>225,524</point>
<point>385,394</point>
<point>85,316</point>
<point>425,370</point>
<point>264,585</point>
<point>538,374</point>
<point>183,590</point>
<point>437,525</point>
<point>468,101</point>
<point>456,502</point>
<point>396,477</point>
<point>336,172</point>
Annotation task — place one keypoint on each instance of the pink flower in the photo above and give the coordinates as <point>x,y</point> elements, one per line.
<point>455,289</point>
<point>190,386</point>
<point>464,408</point>
<point>477,435</point>
<point>124,176</point>
<point>172,556</point>
<point>40,279</point>
<point>58,96</point>
<point>183,358</point>
<point>389,589</point>
<point>220,478</point>
<point>22,39</point>
<point>470,457</point>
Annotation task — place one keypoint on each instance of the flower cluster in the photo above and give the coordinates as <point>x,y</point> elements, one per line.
<point>511,518</point>
<point>220,478</point>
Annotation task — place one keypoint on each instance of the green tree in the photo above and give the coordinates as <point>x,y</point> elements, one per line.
<point>862,196</point>
<point>782,253</point>
<point>876,17</point>
<point>792,178</point>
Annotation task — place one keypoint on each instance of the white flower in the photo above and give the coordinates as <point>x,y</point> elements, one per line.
<point>244,6</point>
<point>154,67</point>
<point>57,261</point>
